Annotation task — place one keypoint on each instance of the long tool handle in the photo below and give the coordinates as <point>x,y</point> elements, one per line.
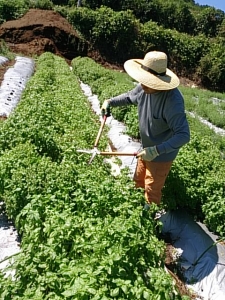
<point>100,131</point>
<point>119,153</point>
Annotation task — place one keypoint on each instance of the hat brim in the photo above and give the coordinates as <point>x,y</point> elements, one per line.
<point>157,82</point>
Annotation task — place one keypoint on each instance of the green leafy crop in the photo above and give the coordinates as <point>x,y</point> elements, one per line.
<point>84,232</point>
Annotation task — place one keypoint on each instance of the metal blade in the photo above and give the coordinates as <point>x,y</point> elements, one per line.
<point>85,151</point>
<point>92,157</point>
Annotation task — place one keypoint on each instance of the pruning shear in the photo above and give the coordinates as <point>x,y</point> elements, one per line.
<point>95,150</point>
<point>111,153</point>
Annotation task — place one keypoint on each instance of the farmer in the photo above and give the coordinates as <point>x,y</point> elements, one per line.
<point>162,120</point>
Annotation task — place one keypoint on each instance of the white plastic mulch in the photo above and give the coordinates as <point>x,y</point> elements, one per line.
<point>9,241</point>
<point>13,84</point>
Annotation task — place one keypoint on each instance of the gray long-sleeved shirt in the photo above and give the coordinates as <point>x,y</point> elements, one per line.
<point>162,119</point>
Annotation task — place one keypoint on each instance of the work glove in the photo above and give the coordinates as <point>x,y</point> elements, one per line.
<point>148,153</point>
<point>105,109</point>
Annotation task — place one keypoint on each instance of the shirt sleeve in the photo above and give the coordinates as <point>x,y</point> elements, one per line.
<point>128,98</point>
<point>176,119</point>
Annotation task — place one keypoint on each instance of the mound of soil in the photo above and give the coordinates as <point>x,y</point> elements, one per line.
<point>40,31</point>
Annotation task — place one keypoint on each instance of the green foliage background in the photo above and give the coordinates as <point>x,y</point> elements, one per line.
<point>191,35</point>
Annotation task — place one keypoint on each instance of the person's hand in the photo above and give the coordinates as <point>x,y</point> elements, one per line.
<point>105,109</point>
<point>148,154</point>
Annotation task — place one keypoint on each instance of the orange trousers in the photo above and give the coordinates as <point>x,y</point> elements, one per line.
<point>151,176</point>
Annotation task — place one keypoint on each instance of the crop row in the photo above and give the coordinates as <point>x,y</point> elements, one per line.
<point>84,232</point>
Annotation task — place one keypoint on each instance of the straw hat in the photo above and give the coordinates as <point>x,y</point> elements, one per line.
<point>152,71</point>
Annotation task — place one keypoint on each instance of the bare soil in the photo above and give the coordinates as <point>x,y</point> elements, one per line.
<point>40,31</point>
